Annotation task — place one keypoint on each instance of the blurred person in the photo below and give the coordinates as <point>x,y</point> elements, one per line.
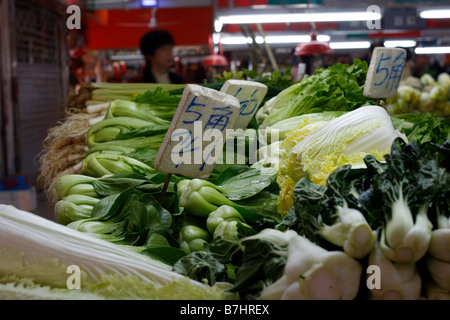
<point>157,48</point>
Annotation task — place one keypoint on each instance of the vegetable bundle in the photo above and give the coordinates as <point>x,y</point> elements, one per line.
<point>66,145</point>
<point>386,212</point>
<point>422,95</point>
<point>336,88</point>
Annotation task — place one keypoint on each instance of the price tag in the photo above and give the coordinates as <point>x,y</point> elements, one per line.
<point>195,139</point>
<point>250,95</point>
<point>385,72</point>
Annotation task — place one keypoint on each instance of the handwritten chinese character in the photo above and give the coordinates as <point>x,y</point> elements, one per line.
<point>189,109</point>
<point>248,106</point>
<point>392,75</point>
<point>220,119</point>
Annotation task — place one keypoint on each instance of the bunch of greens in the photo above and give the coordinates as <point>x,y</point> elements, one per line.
<point>422,95</point>
<point>128,138</point>
<point>386,212</point>
<point>123,209</point>
<point>242,202</point>
<point>423,127</point>
<point>336,88</point>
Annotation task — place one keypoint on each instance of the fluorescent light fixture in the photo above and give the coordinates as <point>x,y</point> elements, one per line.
<point>400,43</point>
<point>435,14</point>
<point>293,39</point>
<point>350,45</point>
<point>432,50</point>
<point>149,3</point>
<point>235,40</point>
<point>300,17</point>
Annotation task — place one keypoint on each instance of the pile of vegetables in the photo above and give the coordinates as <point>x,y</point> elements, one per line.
<point>342,186</point>
<point>424,94</point>
<point>65,146</point>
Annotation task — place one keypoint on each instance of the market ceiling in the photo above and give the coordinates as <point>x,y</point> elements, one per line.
<point>128,18</point>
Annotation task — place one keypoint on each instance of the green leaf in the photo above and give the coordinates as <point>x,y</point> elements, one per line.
<point>239,182</point>
<point>138,217</point>
<point>163,215</point>
<point>201,266</point>
<point>111,206</point>
<point>168,255</point>
<point>262,264</point>
<point>157,240</point>
<point>117,183</point>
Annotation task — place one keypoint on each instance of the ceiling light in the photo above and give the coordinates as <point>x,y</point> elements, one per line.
<point>300,17</point>
<point>235,40</point>
<point>350,45</point>
<point>432,50</point>
<point>400,43</point>
<point>295,38</point>
<point>435,14</point>
<point>313,47</point>
<point>149,3</point>
<point>232,40</point>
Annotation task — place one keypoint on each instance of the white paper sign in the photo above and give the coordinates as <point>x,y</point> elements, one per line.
<point>385,72</point>
<point>196,136</point>
<point>250,95</point>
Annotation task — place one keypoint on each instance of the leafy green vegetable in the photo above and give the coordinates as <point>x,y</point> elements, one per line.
<point>336,88</point>
<point>423,127</point>
<point>284,265</point>
<point>202,266</point>
<point>402,198</point>
<point>193,238</point>
<point>325,217</point>
<point>244,191</point>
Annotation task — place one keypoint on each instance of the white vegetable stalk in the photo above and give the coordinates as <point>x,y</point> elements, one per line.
<point>440,240</point>
<point>313,273</point>
<point>99,107</point>
<point>440,271</point>
<point>351,232</point>
<point>402,240</point>
<point>39,238</point>
<point>397,281</point>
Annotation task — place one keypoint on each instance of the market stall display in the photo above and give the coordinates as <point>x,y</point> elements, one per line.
<point>348,186</point>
